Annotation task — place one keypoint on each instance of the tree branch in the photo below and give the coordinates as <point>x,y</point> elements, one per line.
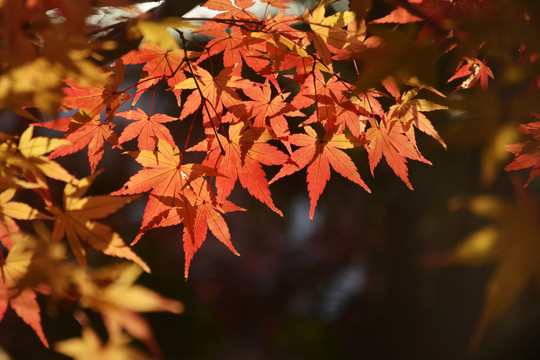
<point>119,34</point>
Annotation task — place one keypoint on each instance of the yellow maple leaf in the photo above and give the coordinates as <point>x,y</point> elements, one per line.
<point>111,292</point>
<point>76,222</point>
<point>328,31</point>
<point>158,32</point>
<point>10,210</point>
<point>25,166</point>
<point>512,241</point>
<point>90,347</point>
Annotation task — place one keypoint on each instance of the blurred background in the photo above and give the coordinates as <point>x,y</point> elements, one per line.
<point>362,280</point>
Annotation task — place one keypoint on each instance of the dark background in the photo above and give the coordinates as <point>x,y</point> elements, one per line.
<point>352,283</point>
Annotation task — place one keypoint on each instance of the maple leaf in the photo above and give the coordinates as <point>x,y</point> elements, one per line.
<point>327,95</point>
<point>76,222</point>
<point>350,43</point>
<point>333,105</point>
<point>319,155</point>
<point>89,347</point>
<point>10,210</point>
<point>527,154</point>
<point>158,64</point>
<point>92,99</point>
<point>237,44</point>
<point>8,227</point>
<point>474,70</point>
<point>280,4</point>
<point>229,11</point>
<point>158,31</point>
<point>268,110</point>
<point>34,78</point>
<point>49,272</point>
<point>336,103</point>
<point>328,33</point>
<point>112,292</point>
<point>147,129</point>
<point>199,214</point>
<point>511,241</point>
<point>179,194</point>
<point>216,92</point>
<point>23,300</point>
<point>229,44</point>
<point>398,16</point>
<point>245,150</point>
<point>24,166</point>
<point>167,179</point>
<point>388,139</point>
<point>81,133</point>
<point>285,47</point>
<point>320,32</point>
<point>32,83</point>
<point>409,111</point>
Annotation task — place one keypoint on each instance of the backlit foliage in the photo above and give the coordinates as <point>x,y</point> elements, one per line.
<point>281,92</point>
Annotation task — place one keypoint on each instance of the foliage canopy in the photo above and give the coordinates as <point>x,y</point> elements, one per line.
<point>278,93</point>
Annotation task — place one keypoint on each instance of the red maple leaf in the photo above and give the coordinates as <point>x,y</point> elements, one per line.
<point>527,153</point>
<point>245,150</point>
<point>474,70</point>
<point>82,133</point>
<point>147,128</point>
<point>334,108</point>
<point>319,155</point>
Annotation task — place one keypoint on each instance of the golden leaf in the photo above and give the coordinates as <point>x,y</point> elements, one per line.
<point>512,241</point>
<point>75,222</point>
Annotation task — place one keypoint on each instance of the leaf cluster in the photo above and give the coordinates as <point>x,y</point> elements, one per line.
<point>279,93</point>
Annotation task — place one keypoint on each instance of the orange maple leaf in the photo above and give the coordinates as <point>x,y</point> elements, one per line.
<point>82,133</point>
<point>158,64</point>
<point>92,99</point>
<point>245,150</point>
<point>179,194</point>
<point>319,154</point>
<point>216,92</point>
<point>387,138</point>
<point>147,128</point>
<point>277,3</point>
